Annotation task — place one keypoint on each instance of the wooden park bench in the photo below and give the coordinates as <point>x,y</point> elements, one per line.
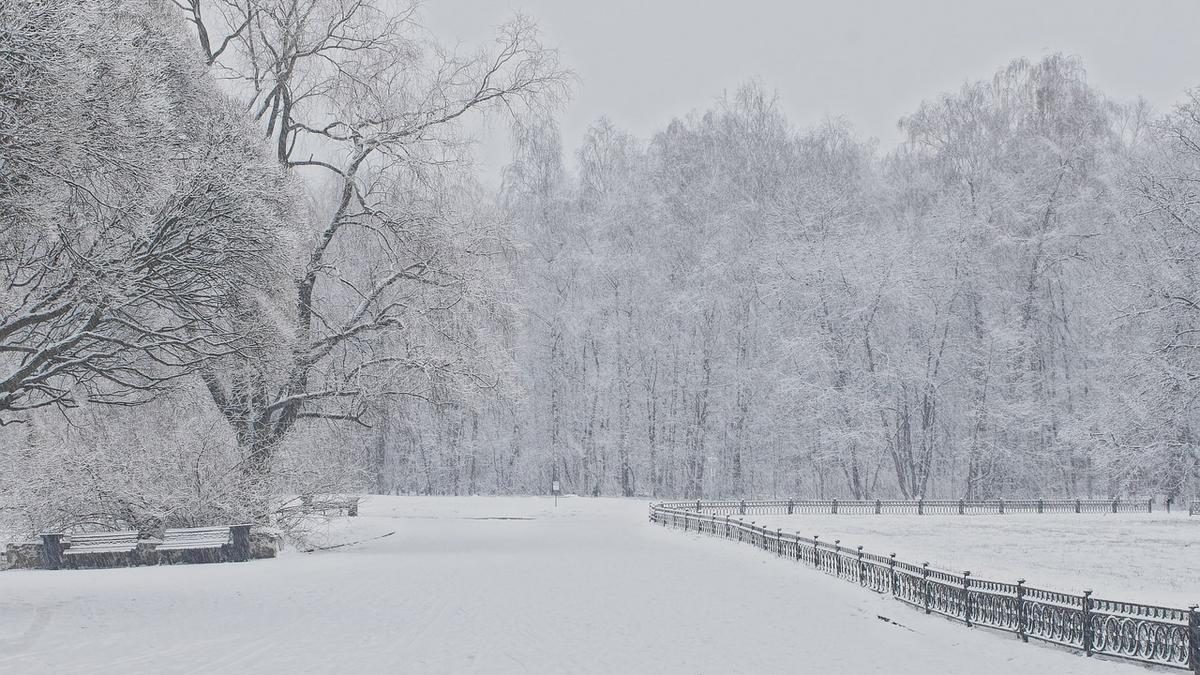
<point>349,505</point>
<point>123,549</point>
<point>205,544</point>
<point>100,548</point>
<point>337,505</point>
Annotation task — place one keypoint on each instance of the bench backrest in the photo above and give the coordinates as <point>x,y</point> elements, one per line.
<point>197,535</point>
<point>103,539</point>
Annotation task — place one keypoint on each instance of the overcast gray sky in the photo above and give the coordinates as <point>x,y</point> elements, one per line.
<point>642,62</point>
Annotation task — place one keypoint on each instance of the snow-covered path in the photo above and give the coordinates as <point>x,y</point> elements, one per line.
<point>493,585</point>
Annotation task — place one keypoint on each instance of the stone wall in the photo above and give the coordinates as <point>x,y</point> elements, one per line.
<point>265,544</point>
<point>25,555</point>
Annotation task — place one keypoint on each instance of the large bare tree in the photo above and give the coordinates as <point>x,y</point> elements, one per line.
<point>367,106</point>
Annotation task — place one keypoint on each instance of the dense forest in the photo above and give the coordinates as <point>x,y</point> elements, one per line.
<point>245,252</point>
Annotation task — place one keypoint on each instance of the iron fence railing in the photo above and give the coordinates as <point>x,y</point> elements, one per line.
<point>1164,636</point>
<point>1194,507</point>
<point>919,506</point>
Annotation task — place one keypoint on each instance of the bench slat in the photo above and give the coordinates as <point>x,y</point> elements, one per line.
<point>104,536</point>
<point>188,538</point>
<point>99,549</point>
<point>102,542</point>
<point>204,544</point>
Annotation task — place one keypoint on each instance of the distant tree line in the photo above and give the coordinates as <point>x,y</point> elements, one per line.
<point>1005,304</point>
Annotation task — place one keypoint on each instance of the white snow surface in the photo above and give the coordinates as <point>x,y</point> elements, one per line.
<point>493,585</point>
<point>1150,558</point>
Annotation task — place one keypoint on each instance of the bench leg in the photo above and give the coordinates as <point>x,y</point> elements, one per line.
<point>145,554</point>
<point>240,547</point>
<point>52,551</point>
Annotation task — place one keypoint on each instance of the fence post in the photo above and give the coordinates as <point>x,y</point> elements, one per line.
<point>1150,505</point>
<point>837,557</point>
<point>961,507</point>
<point>1194,639</point>
<point>779,541</point>
<point>1021,610</point>
<point>791,506</point>
<point>892,573</point>
<point>877,505</point>
<point>1114,506</point>
<point>742,508</point>
<point>1087,622</point>
<point>925,584</point>
<point>816,551</point>
<point>1002,506</point>
<point>920,506</point>
<point>967,597</point>
<point>1040,505</point>
<point>835,507</point>
<point>1076,506</point>
<point>797,545</point>
<point>862,578</point>
<point>697,506</point>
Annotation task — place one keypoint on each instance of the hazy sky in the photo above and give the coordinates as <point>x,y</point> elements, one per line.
<point>642,62</point>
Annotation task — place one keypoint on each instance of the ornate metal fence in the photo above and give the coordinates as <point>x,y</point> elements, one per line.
<point>919,506</point>
<point>1164,636</point>
<point>1194,507</point>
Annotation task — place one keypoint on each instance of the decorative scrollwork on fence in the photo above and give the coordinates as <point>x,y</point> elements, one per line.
<point>996,611</point>
<point>945,599</point>
<point>1140,639</point>
<point>1053,623</point>
<point>877,577</point>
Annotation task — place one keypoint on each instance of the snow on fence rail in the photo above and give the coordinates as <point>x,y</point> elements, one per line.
<point>1163,636</point>
<point>921,506</point>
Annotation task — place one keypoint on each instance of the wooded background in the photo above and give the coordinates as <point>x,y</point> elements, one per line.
<point>245,253</point>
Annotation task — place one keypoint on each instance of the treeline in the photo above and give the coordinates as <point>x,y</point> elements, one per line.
<point>245,255</point>
<point>1003,305</point>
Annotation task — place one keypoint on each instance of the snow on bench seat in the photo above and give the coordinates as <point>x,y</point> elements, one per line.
<point>195,538</point>
<point>102,542</point>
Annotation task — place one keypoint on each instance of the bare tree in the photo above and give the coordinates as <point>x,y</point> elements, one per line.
<point>359,98</point>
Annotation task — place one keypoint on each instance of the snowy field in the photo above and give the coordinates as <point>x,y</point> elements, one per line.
<point>1150,558</point>
<point>493,585</point>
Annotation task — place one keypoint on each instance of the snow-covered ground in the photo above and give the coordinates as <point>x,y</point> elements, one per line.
<point>1149,558</point>
<point>493,585</point>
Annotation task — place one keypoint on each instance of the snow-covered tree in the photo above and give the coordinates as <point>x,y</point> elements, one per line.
<point>139,217</point>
